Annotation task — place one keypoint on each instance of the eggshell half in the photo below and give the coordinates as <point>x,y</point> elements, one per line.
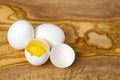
<point>35,60</point>
<point>62,55</point>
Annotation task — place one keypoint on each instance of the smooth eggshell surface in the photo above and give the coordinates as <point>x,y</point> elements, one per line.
<point>20,33</point>
<point>50,32</point>
<point>62,55</point>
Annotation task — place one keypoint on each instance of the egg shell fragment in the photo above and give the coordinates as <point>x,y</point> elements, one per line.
<point>62,55</point>
<point>36,61</point>
<point>20,33</point>
<point>50,32</point>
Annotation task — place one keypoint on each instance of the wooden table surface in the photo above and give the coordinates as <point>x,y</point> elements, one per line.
<point>92,29</point>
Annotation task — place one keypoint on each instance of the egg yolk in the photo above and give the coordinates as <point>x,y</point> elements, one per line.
<point>37,47</point>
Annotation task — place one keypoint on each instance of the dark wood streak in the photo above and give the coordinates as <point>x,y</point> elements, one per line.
<point>77,9</point>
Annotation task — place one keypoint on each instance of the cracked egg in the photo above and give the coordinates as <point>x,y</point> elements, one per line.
<point>37,51</point>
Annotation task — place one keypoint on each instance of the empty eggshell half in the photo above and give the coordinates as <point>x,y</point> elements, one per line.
<point>37,51</point>
<point>62,55</point>
<point>50,32</point>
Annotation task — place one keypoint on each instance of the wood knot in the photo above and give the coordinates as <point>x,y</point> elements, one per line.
<point>99,40</point>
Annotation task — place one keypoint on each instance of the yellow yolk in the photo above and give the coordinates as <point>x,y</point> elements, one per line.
<point>36,50</point>
<point>37,47</point>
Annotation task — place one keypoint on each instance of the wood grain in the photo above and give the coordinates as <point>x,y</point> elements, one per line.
<point>67,9</point>
<point>92,29</point>
<point>100,68</point>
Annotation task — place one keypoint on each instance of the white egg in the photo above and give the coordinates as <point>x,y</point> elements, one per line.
<point>20,33</point>
<point>50,32</point>
<point>37,52</point>
<point>62,55</point>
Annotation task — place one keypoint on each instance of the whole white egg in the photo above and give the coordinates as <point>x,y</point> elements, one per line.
<point>50,32</point>
<point>37,52</point>
<point>62,55</point>
<point>20,33</point>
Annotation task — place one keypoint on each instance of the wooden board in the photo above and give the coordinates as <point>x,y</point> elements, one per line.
<point>92,28</point>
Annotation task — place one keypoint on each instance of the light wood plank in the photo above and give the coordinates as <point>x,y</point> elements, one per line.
<point>92,29</point>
